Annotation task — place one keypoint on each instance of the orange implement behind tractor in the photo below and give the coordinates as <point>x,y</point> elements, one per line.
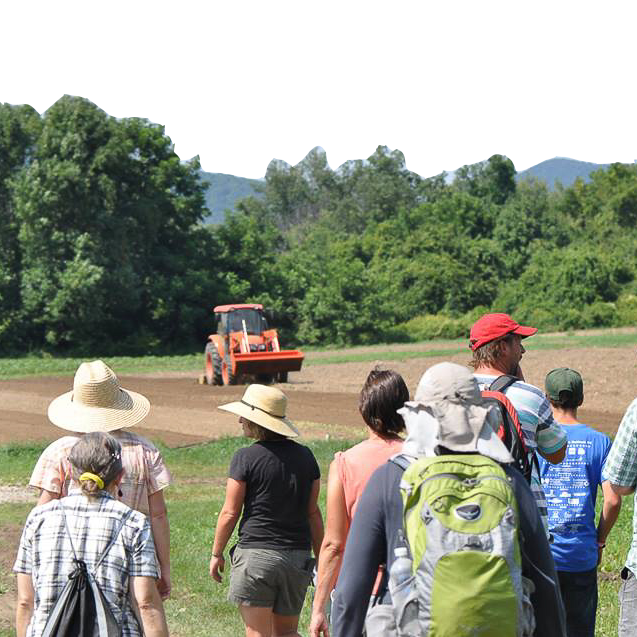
<point>245,346</point>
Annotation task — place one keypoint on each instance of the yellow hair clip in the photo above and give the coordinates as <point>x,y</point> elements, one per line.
<point>91,476</point>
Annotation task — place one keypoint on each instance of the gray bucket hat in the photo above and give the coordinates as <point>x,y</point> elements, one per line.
<point>448,411</point>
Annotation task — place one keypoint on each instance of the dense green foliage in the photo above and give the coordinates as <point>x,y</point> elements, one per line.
<point>102,249</point>
<point>101,244</point>
<point>372,252</point>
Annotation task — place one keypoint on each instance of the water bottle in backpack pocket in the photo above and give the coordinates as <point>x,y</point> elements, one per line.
<point>461,525</point>
<point>382,619</point>
<point>402,588</point>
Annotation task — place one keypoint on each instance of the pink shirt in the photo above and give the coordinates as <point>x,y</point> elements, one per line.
<point>356,465</point>
<point>145,472</point>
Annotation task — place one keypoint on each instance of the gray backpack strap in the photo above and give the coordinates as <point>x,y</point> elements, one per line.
<point>402,460</point>
<point>113,539</point>
<point>110,542</point>
<point>68,531</point>
<point>502,383</point>
<point>106,622</point>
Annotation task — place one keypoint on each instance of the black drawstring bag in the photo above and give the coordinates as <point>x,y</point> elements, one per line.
<point>82,610</point>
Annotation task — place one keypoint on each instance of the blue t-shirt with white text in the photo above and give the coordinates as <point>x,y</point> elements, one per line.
<point>571,490</point>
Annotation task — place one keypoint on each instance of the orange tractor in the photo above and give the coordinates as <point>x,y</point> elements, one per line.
<point>243,345</point>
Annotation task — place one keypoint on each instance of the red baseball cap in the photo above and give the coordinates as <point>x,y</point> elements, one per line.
<point>492,326</point>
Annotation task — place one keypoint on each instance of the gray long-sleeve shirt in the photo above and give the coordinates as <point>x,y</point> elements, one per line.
<point>373,536</point>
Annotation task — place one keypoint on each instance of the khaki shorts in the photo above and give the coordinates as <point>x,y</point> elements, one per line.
<point>276,579</point>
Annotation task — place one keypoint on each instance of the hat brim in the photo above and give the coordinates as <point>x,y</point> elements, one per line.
<point>459,423</point>
<point>130,409</point>
<point>521,330</point>
<point>282,425</point>
<point>524,331</point>
<point>425,432</point>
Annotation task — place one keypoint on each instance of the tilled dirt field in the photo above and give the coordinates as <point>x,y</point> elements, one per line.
<point>323,398</point>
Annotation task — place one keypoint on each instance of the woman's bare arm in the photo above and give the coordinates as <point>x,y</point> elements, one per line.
<point>151,608</point>
<point>332,549</point>
<point>161,536</point>
<point>315,518</point>
<point>228,517</point>
<point>24,607</point>
<point>47,496</point>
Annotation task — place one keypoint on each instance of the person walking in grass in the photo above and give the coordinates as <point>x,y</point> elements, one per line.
<point>496,343</point>
<point>571,490</point>
<point>89,526</point>
<point>98,403</point>
<point>273,486</point>
<point>382,395</point>
<point>447,420</point>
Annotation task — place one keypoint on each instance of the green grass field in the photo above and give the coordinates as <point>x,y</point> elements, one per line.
<point>198,606</point>
<point>58,366</point>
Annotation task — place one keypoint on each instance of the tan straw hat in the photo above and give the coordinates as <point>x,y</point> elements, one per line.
<point>97,402</point>
<point>264,406</point>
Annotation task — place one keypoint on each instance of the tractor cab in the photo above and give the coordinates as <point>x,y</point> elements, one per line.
<point>233,320</point>
<point>244,328</point>
<point>245,345</point>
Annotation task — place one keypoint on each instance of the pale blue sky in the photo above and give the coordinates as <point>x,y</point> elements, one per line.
<point>438,132</point>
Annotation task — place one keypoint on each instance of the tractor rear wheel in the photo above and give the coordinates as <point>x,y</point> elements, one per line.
<point>226,371</point>
<point>282,377</point>
<point>213,365</point>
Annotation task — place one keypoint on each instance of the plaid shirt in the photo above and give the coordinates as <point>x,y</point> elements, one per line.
<point>145,471</point>
<point>47,555</point>
<point>621,468</point>
<point>541,432</point>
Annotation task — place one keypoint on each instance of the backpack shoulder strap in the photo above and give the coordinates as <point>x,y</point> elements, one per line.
<point>106,622</point>
<point>68,531</point>
<point>114,537</point>
<point>502,383</point>
<point>402,460</point>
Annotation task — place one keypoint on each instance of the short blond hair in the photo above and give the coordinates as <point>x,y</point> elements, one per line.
<point>261,433</point>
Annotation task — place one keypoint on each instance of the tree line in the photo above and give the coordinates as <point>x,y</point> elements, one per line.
<point>103,249</point>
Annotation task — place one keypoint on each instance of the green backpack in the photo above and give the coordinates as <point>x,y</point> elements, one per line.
<point>458,574</point>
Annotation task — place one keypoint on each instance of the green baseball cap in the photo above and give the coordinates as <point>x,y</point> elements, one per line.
<point>561,380</point>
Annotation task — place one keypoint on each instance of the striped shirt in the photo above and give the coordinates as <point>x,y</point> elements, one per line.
<point>621,469</point>
<point>46,553</point>
<point>540,430</point>
<point>145,471</point>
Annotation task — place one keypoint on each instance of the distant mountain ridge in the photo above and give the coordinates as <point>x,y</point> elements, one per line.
<point>223,191</point>
<point>562,169</point>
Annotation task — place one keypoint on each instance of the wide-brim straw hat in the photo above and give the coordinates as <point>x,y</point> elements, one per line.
<point>264,406</point>
<point>97,402</point>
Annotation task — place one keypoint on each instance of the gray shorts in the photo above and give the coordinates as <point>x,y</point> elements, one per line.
<point>276,579</point>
